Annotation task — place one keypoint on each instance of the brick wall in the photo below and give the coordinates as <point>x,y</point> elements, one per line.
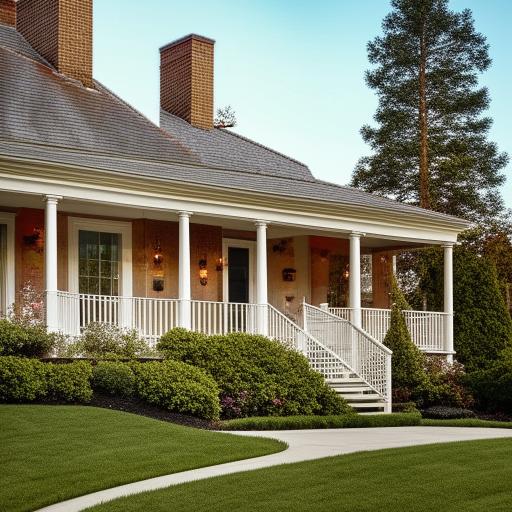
<point>8,12</point>
<point>186,80</point>
<point>61,31</point>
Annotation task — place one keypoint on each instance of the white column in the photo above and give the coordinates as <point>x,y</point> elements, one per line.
<point>184,294</point>
<point>355,278</point>
<point>50,262</point>
<point>448,299</point>
<point>393,264</point>
<point>261,277</point>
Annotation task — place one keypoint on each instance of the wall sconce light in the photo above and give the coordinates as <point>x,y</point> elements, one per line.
<point>36,240</point>
<point>219,265</point>
<point>346,272</point>
<point>158,257</point>
<point>203,272</point>
<point>289,274</point>
<point>324,254</point>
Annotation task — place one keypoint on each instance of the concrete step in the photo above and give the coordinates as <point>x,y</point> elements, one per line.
<point>368,405</point>
<point>360,397</point>
<point>344,388</point>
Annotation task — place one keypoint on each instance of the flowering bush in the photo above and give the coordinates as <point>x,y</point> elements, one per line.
<point>256,376</point>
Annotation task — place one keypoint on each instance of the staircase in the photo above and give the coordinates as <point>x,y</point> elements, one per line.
<point>354,364</point>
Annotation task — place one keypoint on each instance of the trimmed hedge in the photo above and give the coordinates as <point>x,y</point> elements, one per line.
<point>113,378</point>
<point>25,340</point>
<point>314,422</point>
<point>178,387</point>
<point>447,413</point>
<point>492,386</point>
<point>26,380</point>
<point>256,376</point>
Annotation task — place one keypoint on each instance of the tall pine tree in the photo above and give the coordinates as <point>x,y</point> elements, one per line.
<point>430,147</point>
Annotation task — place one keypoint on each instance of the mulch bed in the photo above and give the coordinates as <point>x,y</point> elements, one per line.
<point>137,406</point>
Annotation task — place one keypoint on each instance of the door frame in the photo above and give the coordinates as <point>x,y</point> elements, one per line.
<point>76,224</point>
<point>243,244</point>
<point>10,272</point>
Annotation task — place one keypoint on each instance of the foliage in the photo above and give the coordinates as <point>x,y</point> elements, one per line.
<point>311,422</point>
<point>430,146</point>
<point>407,362</point>
<point>442,412</point>
<point>446,384</point>
<point>482,324</point>
<point>178,387</point>
<point>69,382</point>
<point>492,386</point>
<point>26,340</point>
<point>26,380</point>
<point>21,380</point>
<point>113,378</point>
<point>405,407</point>
<point>107,341</point>
<point>225,118</point>
<point>466,422</point>
<point>256,376</point>
<point>29,306</point>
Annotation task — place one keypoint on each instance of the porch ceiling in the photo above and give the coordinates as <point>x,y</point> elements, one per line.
<point>9,200</point>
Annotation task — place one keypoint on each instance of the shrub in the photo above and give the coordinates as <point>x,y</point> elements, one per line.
<point>113,378</point>
<point>25,340</point>
<point>405,407</point>
<point>69,382</point>
<point>446,384</point>
<point>21,380</point>
<point>256,376</point>
<point>178,387</point>
<point>313,422</point>
<point>492,386</point>
<point>482,324</point>
<point>106,341</point>
<point>408,374</point>
<point>440,412</point>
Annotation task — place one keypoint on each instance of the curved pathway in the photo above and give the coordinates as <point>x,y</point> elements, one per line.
<point>302,445</point>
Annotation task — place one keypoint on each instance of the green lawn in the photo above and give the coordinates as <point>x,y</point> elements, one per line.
<point>471,476</point>
<point>51,453</point>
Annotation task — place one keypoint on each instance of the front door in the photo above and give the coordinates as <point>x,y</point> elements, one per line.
<point>238,274</point>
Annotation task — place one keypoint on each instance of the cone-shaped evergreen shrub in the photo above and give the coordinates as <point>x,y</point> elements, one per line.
<point>407,363</point>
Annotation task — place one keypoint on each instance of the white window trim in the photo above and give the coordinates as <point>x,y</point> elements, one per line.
<point>75,224</point>
<point>10,285</point>
<point>244,244</point>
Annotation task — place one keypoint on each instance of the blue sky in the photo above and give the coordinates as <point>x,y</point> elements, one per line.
<point>293,70</point>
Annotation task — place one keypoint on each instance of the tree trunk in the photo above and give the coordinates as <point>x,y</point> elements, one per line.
<point>423,123</point>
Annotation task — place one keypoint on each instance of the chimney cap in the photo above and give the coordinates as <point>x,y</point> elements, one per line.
<point>186,38</point>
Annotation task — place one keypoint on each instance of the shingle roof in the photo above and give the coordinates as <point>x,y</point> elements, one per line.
<point>46,117</point>
<point>222,148</point>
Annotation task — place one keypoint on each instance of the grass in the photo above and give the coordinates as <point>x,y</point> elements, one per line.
<point>311,422</point>
<point>471,476</point>
<point>52,453</point>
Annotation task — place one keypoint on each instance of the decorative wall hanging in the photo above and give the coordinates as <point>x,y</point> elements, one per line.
<point>36,240</point>
<point>203,272</point>
<point>158,273</point>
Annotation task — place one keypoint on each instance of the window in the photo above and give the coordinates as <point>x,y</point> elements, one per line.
<point>98,263</point>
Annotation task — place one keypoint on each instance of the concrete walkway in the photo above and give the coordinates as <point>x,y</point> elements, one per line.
<point>302,445</point>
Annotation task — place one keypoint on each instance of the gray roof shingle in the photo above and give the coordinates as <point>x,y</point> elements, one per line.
<point>46,117</point>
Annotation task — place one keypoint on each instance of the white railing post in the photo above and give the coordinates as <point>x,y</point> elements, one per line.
<point>389,402</point>
<point>261,277</point>
<point>448,300</point>
<point>184,293</point>
<point>50,263</point>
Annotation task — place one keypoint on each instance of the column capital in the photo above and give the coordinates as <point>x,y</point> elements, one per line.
<point>448,245</point>
<point>261,223</point>
<point>51,198</point>
<point>356,234</point>
<point>185,214</point>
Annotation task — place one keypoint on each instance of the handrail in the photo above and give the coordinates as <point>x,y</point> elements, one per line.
<point>370,359</point>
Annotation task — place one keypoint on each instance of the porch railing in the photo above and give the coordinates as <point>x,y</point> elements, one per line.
<point>426,327</point>
<point>367,357</point>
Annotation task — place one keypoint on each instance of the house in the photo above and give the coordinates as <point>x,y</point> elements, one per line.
<point>117,220</point>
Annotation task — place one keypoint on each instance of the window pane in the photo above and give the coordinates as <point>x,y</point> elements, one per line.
<point>93,285</point>
<point>106,287</point>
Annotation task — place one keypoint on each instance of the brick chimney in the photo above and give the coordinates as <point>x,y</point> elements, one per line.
<point>8,12</point>
<point>61,31</point>
<point>186,80</point>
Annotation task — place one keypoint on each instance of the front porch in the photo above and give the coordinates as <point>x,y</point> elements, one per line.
<point>152,270</point>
